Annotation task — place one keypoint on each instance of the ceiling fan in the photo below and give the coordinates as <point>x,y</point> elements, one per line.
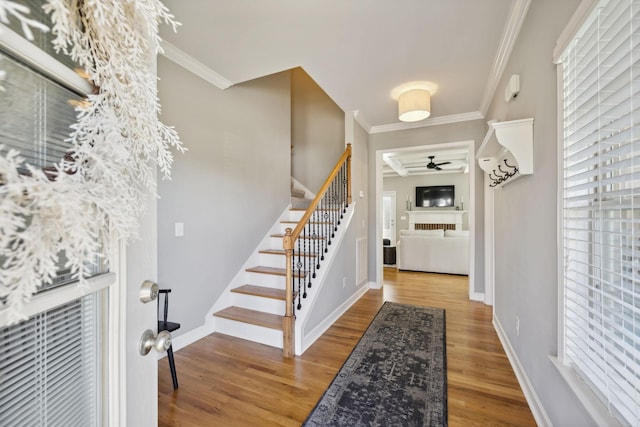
<point>436,166</point>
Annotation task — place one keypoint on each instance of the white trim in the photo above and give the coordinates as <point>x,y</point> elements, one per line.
<point>559,211</point>
<point>311,337</point>
<point>117,360</point>
<point>476,296</point>
<point>517,14</point>
<point>374,285</point>
<point>575,23</point>
<point>191,64</point>
<point>363,122</point>
<point>42,302</point>
<point>537,409</point>
<point>589,400</point>
<point>436,121</point>
<point>23,49</point>
<point>189,338</point>
<point>489,243</point>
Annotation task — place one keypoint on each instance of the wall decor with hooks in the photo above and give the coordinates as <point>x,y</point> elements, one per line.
<point>508,154</point>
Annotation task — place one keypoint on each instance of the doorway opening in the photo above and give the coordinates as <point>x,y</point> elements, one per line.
<point>467,205</point>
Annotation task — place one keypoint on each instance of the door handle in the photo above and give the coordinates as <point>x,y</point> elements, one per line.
<point>149,340</point>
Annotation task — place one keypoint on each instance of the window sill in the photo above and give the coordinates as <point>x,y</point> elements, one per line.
<point>589,400</point>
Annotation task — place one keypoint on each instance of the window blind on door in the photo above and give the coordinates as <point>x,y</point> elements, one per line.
<point>49,373</point>
<point>601,205</point>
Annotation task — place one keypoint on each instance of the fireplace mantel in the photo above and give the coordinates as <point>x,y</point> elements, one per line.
<point>436,217</point>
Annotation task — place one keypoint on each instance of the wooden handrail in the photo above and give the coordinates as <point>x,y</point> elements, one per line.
<point>288,242</point>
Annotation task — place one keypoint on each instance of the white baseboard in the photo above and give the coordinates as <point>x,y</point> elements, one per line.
<point>540,415</point>
<point>476,296</point>
<point>189,338</point>
<point>317,332</point>
<point>374,285</point>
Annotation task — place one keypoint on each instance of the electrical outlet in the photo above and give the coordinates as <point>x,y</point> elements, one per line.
<point>344,282</point>
<point>517,326</point>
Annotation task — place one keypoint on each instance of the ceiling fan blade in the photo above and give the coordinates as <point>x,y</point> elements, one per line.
<point>438,168</point>
<point>443,163</point>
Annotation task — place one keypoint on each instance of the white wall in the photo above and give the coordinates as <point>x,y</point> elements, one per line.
<point>526,253</point>
<point>228,189</point>
<point>317,131</point>
<point>465,131</point>
<point>406,186</point>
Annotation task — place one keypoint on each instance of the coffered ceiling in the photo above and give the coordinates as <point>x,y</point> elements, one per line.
<point>358,51</point>
<point>411,162</point>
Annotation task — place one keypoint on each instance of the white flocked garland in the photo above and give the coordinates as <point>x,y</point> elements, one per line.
<point>98,192</point>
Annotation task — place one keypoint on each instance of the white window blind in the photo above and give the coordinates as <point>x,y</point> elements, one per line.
<point>601,205</point>
<point>49,373</point>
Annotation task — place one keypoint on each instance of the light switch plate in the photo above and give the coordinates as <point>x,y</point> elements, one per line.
<point>179,229</point>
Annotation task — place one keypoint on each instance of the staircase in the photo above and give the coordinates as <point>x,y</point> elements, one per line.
<point>262,301</point>
<point>258,306</point>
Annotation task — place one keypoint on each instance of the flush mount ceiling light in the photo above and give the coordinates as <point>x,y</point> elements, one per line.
<point>414,105</point>
<point>414,100</point>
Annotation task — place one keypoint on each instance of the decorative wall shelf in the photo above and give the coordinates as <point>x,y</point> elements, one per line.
<point>509,154</point>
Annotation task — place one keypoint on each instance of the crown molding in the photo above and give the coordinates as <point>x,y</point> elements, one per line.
<point>363,122</point>
<point>436,121</point>
<point>517,13</point>
<point>191,64</point>
<point>573,26</point>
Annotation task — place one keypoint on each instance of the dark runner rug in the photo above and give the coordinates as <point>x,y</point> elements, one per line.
<point>395,376</point>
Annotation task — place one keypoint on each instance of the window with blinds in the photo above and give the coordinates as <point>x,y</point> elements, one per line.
<point>601,205</point>
<point>49,369</point>
<point>35,119</point>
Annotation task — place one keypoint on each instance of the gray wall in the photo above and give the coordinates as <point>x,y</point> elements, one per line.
<point>406,186</point>
<point>317,131</point>
<point>332,295</point>
<point>228,189</point>
<point>457,132</point>
<point>525,216</point>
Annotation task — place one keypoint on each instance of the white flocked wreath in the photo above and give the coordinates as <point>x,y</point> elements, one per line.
<point>98,192</point>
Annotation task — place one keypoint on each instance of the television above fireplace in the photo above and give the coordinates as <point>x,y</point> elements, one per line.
<point>435,196</point>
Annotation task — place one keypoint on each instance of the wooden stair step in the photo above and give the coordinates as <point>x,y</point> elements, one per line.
<point>261,291</point>
<point>252,317</point>
<point>282,252</point>
<point>306,237</point>
<point>275,271</point>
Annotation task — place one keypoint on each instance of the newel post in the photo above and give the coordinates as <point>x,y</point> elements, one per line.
<point>349,174</point>
<point>288,321</point>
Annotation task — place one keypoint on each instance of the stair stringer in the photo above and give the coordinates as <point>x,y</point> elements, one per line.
<point>318,283</point>
<point>227,298</point>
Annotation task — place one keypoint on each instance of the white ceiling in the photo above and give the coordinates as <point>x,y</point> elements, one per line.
<point>356,50</point>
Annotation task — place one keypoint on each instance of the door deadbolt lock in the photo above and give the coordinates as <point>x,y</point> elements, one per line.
<point>149,340</point>
<point>148,291</point>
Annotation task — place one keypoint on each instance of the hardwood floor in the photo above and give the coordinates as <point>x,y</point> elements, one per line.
<point>226,381</point>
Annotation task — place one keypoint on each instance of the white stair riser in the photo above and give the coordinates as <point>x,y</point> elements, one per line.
<point>276,243</point>
<point>249,332</point>
<point>295,215</point>
<point>253,302</point>
<point>272,260</point>
<point>266,280</point>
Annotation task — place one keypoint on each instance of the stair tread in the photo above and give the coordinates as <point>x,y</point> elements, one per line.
<point>282,252</point>
<point>300,237</point>
<point>253,317</point>
<point>261,291</point>
<point>275,271</point>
